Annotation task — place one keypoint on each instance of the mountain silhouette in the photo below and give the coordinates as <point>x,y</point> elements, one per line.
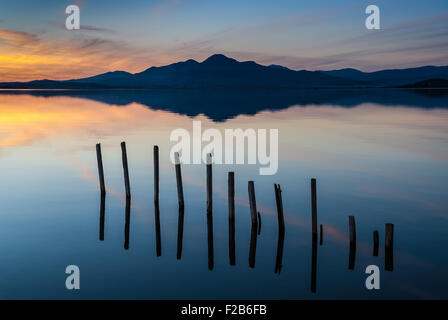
<point>221,72</point>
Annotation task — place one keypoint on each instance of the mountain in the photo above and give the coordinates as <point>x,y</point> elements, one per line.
<point>221,72</point>
<point>394,77</point>
<point>217,71</point>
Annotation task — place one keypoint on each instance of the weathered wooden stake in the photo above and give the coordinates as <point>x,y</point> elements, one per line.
<point>99,159</point>
<point>389,252</point>
<point>376,241</point>
<point>231,196</point>
<point>125,169</point>
<point>313,206</point>
<point>180,189</point>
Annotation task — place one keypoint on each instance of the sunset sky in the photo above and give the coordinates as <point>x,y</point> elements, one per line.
<point>134,35</point>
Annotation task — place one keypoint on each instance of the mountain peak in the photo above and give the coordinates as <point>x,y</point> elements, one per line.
<point>218,59</point>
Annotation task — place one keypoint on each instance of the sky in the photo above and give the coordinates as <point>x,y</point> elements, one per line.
<point>134,35</point>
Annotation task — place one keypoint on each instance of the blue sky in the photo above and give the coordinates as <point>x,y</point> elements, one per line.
<point>135,34</point>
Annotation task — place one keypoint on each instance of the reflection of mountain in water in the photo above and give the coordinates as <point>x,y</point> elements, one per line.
<point>220,105</point>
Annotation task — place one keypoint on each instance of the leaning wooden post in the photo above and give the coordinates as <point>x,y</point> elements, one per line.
<point>209,183</point>
<point>180,189</point>
<point>125,169</point>
<point>253,213</point>
<point>376,241</point>
<point>99,158</point>
<point>313,207</point>
<point>231,196</point>
<point>389,254</point>
<point>156,173</point>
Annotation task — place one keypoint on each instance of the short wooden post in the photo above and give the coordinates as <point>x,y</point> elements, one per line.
<point>231,199</point>
<point>99,159</point>
<point>389,250</point>
<point>253,212</point>
<point>209,183</point>
<point>313,206</point>
<point>156,173</point>
<point>376,241</point>
<point>321,235</point>
<point>125,169</point>
<point>180,189</point>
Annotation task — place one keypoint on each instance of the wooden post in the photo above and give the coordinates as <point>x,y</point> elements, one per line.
<point>259,222</point>
<point>180,189</point>
<point>125,169</point>
<point>352,256</point>
<point>376,240</point>
<point>99,159</point>
<point>209,183</point>
<point>389,244</point>
<point>253,212</point>
<point>102,215</point>
<point>281,228</point>
<point>321,235</point>
<point>127,223</point>
<point>231,196</point>
<point>313,207</point>
<point>156,173</point>
<point>351,222</point>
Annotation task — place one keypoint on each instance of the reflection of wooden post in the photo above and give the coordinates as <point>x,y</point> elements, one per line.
<point>102,215</point>
<point>389,254</point>
<point>352,255</point>
<point>209,182</point>
<point>321,235</point>
<point>281,228</point>
<point>376,240</point>
<point>180,232</point>
<point>253,235</point>
<point>314,263</point>
<point>313,206</point>
<point>180,190</point>
<point>127,223</point>
<point>231,195</point>
<point>125,169</point>
<point>100,168</point>
<point>351,221</point>
<point>156,173</point>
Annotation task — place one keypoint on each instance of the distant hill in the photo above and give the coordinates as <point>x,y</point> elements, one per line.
<point>221,72</point>
<point>431,83</point>
<point>394,77</point>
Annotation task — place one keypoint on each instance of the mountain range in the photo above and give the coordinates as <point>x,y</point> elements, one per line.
<point>221,72</point>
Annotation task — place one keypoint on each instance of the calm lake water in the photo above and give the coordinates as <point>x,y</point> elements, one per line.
<point>381,157</point>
